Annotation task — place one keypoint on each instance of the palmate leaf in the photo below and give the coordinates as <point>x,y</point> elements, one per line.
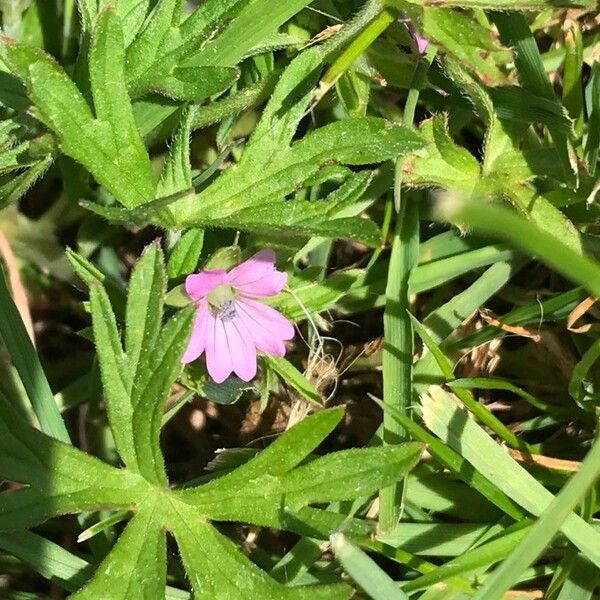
<point>108,143</point>
<point>61,479</point>
<point>225,577</point>
<point>194,58</point>
<point>505,171</point>
<point>136,567</point>
<point>218,35</point>
<point>464,38</point>
<point>275,488</point>
<point>162,57</point>
<point>138,379</point>
<point>251,195</point>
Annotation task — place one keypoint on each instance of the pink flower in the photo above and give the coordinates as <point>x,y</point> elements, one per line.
<point>422,43</point>
<point>231,325</point>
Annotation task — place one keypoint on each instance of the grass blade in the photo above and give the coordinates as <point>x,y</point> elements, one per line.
<point>365,571</point>
<point>501,222</point>
<point>28,366</point>
<point>545,528</point>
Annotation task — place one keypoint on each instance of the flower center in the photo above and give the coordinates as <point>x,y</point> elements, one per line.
<point>222,302</point>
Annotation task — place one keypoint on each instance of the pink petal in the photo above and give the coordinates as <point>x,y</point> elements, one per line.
<point>258,276</point>
<point>422,43</point>
<point>197,341</point>
<point>267,327</point>
<point>201,284</point>
<point>260,332</point>
<point>230,349</point>
<point>241,348</point>
<point>218,359</point>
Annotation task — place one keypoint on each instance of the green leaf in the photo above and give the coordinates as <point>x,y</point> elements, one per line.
<point>17,185</point>
<point>196,378</point>
<point>196,83</point>
<point>48,559</point>
<point>152,385</point>
<point>455,462</point>
<point>441,162</point>
<point>90,275</point>
<point>138,380</point>
<point>506,171</point>
<point>349,473</point>
<point>553,309</point>
<point>147,287</point>
<point>581,582</point>
<point>365,571</point>
<point>149,46</point>
<point>592,144</point>
<point>238,199</point>
<point>56,564</point>
<point>108,146</point>
<point>526,235</point>
<point>515,32</point>
<point>112,103</point>
<point>115,374</point>
<point>254,22</point>
<point>287,451</point>
<point>185,255</point>
<point>425,277</point>
<point>292,377</point>
<point>476,558</point>
<point>340,476</point>
<point>133,14</point>
<point>136,566</point>
<point>503,4</point>
<point>60,478</point>
<point>517,104</point>
<point>353,90</point>
<point>447,420</point>
<point>309,295</point>
<point>176,174</point>
<point>200,543</point>
<point>326,217</point>
<point>471,43</point>
<point>163,58</point>
<point>580,372</point>
<point>16,158</point>
<point>556,515</point>
<point>27,363</point>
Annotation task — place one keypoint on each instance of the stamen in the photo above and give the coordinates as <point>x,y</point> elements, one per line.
<point>226,310</point>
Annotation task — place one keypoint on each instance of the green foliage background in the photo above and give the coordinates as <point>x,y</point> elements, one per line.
<point>457,179</point>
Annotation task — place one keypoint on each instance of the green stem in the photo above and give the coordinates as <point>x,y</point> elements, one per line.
<point>362,41</point>
<point>419,77</point>
<point>398,345</point>
<point>397,326</point>
<point>385,230</point>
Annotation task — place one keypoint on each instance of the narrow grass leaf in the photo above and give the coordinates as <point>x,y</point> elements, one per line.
<point>27,363</point>
<point>294,378</point>
<point>501,222</point>
<point>365,571</point>
<point>447,420</point>
<point>456,463</point>
<point>398,342</point>
<point>551,520</point>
